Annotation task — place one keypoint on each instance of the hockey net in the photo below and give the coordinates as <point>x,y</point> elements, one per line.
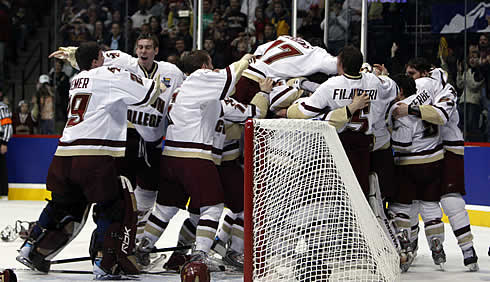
<point>306,218</point>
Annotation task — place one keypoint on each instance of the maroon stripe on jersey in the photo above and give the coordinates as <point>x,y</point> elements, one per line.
<point>239,222</point>
<point>280,94</point>
<point>158,222</point>
<point>190,145</point>
<point>256,70</point>
<point>227,84</point>
<point>443,111</point>
<point>94,142</point>
<point>233,146</point>
<point>188,224</point>
<point>422,153</point>
<point>209,223</point>
<point>229,220</point>
<point>453,143</point>
<point>148,95</point>
<point>310,108</point>
<point>400,144</point>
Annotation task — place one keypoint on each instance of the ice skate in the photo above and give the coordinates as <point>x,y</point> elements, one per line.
<point>471,260</point>
<point>234,259</point>
<point>143,252</point>
<point>438,254</point>
<point>406,254</point>
<point>219,247</point>
<point>176,261</point>
<point>212,264</point>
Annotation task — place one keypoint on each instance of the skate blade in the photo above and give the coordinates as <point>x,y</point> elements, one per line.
<point>441,266</point>
<point>25,262</point>
<point>473,267</point>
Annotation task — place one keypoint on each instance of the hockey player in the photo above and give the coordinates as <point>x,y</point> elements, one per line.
<point>444,112</point>
<point>188,161</point>
<point>286,57</point>
<point>146,125</point>
<point>418,158</point>
<point>350,103</point>
<point>84,169</point>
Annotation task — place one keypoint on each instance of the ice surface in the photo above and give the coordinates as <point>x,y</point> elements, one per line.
<point>423,268</point>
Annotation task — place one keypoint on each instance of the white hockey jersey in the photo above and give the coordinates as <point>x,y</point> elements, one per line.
<point>288,57</point>
<point>414,140</point>
<point>97,111</point>
<point>386,97</point>
<point>338,92</point>
<point>195,110</point>
<point>233,115</point>
<point>445,112</point>
<point>149,121</point>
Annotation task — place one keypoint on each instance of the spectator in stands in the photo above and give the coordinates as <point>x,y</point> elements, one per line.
<point>310,27</point>
<point>207,14</point>
<point>132,36</point>
<point>184,33</point>
<point>23,120</point>
<point>141,16</point>
<point>61,83</point>
<point>46,105</point>
<point>280,19</point>
<point>218,58</point>
<point>155,27</point>
<point>145,28</point>
<point>75,33</point>
<point>259,24</point>
<point>180,46</point>
<point>470,106</point>
<point>114,18</point>
<point>158,9</point>
<point>5,134</point>
<point>269,33</point>
<point>99,32</point>
<point>115,40</point>
<point>337,27</point>
<point>235,20</point>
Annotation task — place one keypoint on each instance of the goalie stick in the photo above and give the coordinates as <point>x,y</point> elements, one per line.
<point>159,250</point>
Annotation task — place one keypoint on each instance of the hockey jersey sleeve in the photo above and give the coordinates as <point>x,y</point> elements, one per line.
<point>132,88</point>
<point>235,111</point>
<point>119,59</point>
<point>319,102</point>
<point>444,105</point>
<point>6,128</point>
<point>401,136</point>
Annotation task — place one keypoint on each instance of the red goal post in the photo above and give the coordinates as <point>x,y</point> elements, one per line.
<point>306,218</point>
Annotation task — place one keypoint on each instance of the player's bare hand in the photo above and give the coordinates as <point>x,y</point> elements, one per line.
<point>380,69</point>
<point>359,102</point>
<point>282,113</point>
<point>249,57</point>
<point>3,149</point>
<point>266,85</point>
<point>62,55</point>
<point>400,111</point>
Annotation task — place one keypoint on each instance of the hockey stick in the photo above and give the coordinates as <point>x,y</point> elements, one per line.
<point>159,250</point>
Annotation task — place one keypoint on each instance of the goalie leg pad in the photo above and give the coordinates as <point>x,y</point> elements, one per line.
<point>116,225</point>
<point>58,224</point>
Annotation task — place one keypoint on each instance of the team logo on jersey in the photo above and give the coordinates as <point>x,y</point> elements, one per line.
<point>166,81</point>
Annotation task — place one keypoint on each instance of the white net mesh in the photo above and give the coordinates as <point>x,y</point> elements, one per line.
<point>311,221</point>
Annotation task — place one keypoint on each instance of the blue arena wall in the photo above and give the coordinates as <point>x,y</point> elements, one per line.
<point>29,157</point>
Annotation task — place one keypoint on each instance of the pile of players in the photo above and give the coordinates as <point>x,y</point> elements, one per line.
<point>110,153</point>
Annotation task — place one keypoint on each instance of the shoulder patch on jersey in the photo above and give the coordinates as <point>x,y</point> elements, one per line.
<point>166,81</point>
